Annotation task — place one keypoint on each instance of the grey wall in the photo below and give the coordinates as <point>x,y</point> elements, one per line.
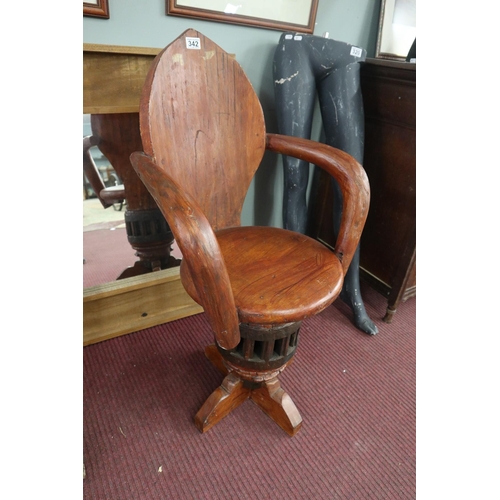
<point>144,23</point>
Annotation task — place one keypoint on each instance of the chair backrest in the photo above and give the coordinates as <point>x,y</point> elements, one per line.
<point>202,122</point>
<point>203,137</point>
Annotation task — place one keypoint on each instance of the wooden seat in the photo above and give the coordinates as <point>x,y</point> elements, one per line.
<point>272,278</point>
<point>203,135</point>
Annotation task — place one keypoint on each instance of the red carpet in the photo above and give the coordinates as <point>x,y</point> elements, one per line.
<point>107,253</point>
<point>356,395</point>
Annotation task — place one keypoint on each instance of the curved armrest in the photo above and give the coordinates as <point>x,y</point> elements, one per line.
<point>199,246</point>
<point>90,169</point>
<point>351,178</point>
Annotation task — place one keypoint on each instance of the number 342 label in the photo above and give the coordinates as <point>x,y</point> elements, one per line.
<point>193,43</point>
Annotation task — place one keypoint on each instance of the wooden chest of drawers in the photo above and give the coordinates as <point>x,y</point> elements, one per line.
<point>388,243</point>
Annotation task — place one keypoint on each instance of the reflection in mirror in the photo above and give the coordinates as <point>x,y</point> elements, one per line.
<point>397,29</point>
<point>106,172</point>
<point>108,252</point>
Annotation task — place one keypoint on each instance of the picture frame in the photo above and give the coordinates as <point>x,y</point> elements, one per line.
<point>282,15</point>
<point>96,8</point>
<point>397,29</point>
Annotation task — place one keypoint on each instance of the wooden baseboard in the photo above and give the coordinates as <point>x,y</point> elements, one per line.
<point>132,304</point>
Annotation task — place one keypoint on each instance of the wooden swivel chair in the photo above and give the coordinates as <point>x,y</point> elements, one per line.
<point>203,135</point>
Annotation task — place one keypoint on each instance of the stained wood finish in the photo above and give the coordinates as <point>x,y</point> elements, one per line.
<point>267,394</point>
<point>352,180</point>
<point>273,279</point>
<point>389,241</point>
<point>117,136</point>
<point>113,76</point>
<point>126,306</point>
<point>174,9</point>
<point>226,398</point>
<point>199,247</point>
<point>112,194</point>
<point>278,405</point>
<point>194,105</point>
<point>91,172</point>
<point>388,257</point>
<point>203,134</point>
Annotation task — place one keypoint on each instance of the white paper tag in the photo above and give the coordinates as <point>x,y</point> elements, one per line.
<point>297,37</point>
<point>356,51</point>
<point>231,9</point>
<point>193,43</point>
<point>288,37</point>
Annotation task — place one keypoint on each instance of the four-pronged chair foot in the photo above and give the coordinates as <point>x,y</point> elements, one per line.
<point>278,405</point>
<point>228,396</point>
<point>262,388</point>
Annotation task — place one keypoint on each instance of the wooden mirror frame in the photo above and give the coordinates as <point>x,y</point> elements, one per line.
<point>184,8</point>
<point>113,76</point>
<point>394,43</point>
<point>97,8</point>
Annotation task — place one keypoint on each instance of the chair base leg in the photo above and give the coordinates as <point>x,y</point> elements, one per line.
<point>227,397</point>
<point>277,405</point>
<point>234,390</point>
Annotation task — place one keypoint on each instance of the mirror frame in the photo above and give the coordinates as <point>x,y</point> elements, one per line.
<point>260,19</point>
<point>394,40</point>
<point>96,8</point>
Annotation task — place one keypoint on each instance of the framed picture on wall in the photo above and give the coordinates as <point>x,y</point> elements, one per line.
<point>282,15</point>
<point>397,29</point>
<point>96,8</point>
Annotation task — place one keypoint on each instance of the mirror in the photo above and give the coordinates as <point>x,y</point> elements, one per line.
<point>397,29</point>
<point>103,229</point>
<point>113,77</point>
<point>122,238</point>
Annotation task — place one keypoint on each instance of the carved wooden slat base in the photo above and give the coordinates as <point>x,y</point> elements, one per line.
<point>263,389</point>
<point>150,236</point>
<point>214,356</point>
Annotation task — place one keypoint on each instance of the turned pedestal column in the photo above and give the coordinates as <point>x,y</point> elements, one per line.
<point>118,135</point>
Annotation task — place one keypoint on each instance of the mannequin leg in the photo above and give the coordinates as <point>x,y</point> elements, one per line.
<point>351,294</point>
<point>343,118</point>
<point>294,90</point>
